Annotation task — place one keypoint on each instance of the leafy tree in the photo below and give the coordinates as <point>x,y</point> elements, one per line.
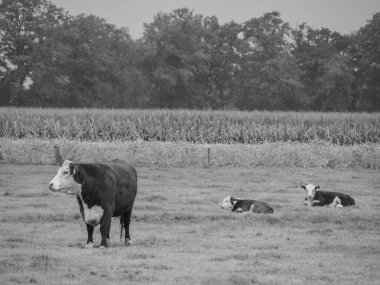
<point>88,63</point>
<point>184,60</point>
<point>334,92</point>
<point>221,45</point>
<point>323,58</point>
<point>24,24</point>
<point>175,62</point>
<point>366,61</point>
<point>269,77</point>
<point>48,58</point>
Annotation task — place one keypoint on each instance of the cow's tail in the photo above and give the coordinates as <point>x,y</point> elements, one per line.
<point>121,226</point>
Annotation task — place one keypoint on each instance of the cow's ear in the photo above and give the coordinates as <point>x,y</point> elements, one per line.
<point>75,170</point>
<point>71,167</point>
<point>316,188</point>
<point>303,187</point>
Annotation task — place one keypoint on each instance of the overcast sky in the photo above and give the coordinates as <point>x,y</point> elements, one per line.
<point>344,16</point>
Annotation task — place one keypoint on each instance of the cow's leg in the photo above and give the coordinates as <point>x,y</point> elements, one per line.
<point>108,236</point>
<point>336,202</point>
<point>90,232</point>
<point>320,202</point>
<point>127,221</point>
<point>105,226</point>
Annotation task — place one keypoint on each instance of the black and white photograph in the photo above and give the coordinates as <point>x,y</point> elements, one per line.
<point>190,142</point>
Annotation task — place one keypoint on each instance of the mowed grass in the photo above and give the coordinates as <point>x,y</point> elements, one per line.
<point>181,236</point>
<point>181,154</point>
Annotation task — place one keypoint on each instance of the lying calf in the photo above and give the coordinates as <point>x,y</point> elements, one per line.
<point>239,205</point>
<point>314,197</point>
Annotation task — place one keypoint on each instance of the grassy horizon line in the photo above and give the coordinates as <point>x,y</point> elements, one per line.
<point>183,154</point>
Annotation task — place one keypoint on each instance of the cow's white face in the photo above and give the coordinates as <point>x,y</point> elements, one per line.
<point>64,181</point>
<point>311,190</point>
<point>226,203</point>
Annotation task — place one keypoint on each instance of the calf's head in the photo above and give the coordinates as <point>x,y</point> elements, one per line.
<point>68,179</point>
<point>311,189</point>
<point>228,202</point>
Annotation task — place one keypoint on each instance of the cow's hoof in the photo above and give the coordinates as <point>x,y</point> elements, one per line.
<point>339,206</point>
<point>102,247</point>
<point>89,245</point>
<point>128,242</point>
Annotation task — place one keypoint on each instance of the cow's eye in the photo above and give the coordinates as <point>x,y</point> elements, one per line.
<point>65,172</point>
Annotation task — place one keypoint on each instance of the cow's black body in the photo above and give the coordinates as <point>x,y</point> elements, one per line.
<point>326,198</point>
<point>113,187</point>
<point>243,205</point>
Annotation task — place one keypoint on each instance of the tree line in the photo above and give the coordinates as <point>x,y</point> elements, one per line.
<point>49,58</point>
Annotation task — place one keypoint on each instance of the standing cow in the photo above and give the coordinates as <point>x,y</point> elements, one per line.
<point>315,197</point>
<point>104,190</point>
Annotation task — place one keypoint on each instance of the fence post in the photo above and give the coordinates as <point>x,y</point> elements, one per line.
<point>57,156</point>
<point>209,156</point>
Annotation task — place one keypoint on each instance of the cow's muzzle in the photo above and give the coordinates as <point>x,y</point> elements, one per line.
<point>51,187</point>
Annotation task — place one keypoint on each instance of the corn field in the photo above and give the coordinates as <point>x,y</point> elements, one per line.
<point>211,127</point>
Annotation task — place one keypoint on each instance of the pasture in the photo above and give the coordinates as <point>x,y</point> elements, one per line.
<point>181,236</point>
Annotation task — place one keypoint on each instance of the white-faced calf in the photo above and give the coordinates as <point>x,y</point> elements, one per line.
<point>239,205</point>
<point>315,197</point>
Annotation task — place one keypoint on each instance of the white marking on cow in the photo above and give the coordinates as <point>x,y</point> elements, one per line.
<point>336,203</point>
<point>93,215</point>
<point>89,245</point>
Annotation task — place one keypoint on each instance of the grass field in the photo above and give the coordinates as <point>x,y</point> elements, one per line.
<point>181,236</point>
<point>182,154</point>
